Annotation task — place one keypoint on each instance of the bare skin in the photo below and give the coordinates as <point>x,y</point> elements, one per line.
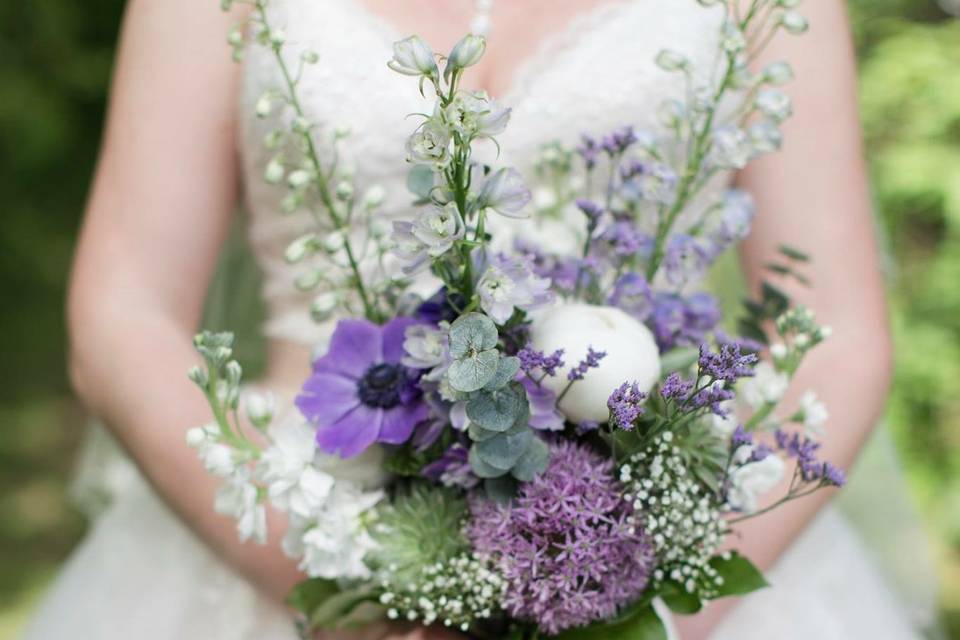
<point>166,188</point>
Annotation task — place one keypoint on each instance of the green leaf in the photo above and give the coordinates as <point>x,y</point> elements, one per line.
<point>506,369</point>
<point>471,374</point>
<point>533,462</point>
<point>481,468</point>
<point>678,599</point>
<point>505,449</point>
<point>644,624</point>
<point>420,181</point>
<point>471,334</point>
<point>500,410</point>
<point>500,490</point>
<point>739,575</point>
<point>362,615</point>
<point>678,359</point>
<point>793,253</point>
<point>310,594</point>
<point>329,614</point>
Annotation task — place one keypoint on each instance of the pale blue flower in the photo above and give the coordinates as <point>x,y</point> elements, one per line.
<point>505,193</point>
<point>413,57</point>
<point>509,284</point>
<point>430,144</point>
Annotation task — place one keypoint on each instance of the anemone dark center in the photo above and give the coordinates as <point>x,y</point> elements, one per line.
<point>381,386</point>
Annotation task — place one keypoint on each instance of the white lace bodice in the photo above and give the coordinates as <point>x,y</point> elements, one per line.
<point>593,76</point>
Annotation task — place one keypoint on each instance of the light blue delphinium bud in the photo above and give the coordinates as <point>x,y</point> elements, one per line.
<point>505,193</point>
<point>731,148</point>
<point>765,137</point>
<point>413,57</point>
<point>774,104</point>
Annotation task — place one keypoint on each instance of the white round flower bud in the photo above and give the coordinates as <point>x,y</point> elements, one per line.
<point>374,197</point>
<point>778,73</point>
<point>344,191</point>
<point>632,355</point>
<point>669,60</point>
<point>778,350</point>
<point>310,57</point>
<point>324,305</point>
<point>196,436</point>
<point>308,280</point>
<point>300,248</point>
<point>277,37</point>
<point>333,242</point>
<point>467,52</point>
<point>264,106</point>
<point>794,23</point>
<point>298,178</point>
<point>273,174</point>
<point>260,408</point>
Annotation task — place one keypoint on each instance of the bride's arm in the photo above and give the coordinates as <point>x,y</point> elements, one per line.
<point>163,195</point>
<point>814,195</point>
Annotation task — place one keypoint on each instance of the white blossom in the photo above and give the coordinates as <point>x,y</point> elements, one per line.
<point>260,408</point>
<point>774,104</point>
<point>750,481</point>
<point>505,193</point>
<point>767,386</point>
<point>814,413</point>
<point>413,57</point>
<point>293,483</point>
<point>731,148</point>
<point>239,499</point>
<point>430,144</point>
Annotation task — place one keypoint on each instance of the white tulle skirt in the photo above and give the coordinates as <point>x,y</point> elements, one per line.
<point>142,575</point>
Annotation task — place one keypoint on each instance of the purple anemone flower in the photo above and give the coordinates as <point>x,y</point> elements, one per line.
<point>359,392</point>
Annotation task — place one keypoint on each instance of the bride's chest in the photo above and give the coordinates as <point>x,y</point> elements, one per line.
<point>592,75</point>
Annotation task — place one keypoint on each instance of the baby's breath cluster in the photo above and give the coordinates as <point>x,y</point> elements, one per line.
<point>679,515</point>
<point>455,593</point>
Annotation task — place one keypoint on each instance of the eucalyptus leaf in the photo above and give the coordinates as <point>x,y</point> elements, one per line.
<point>420,181</point>
<point>481,468</point>
<point>505,449</point>
<point>500,490</point>
<point>501,409</point>
<point>506,370</point>
<point>533,462</point>
<point>472,373</point>
<point>471,334</point>
<point>479,434</point>
<point>740,576</point>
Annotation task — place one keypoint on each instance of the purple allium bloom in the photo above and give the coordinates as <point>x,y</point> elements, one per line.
<point>590,361</point>
<point>626,405</point>
<point>568,547</point>
<point>531,360</point>
<point>452,469</point>
<point>359,392</point>
<point>589,150</point>
<point>727,364</point>
<point>740,437</point>
<point>675,387</point>
<point>682,322</point>
<point>544,415</point>
<point>632,293</point>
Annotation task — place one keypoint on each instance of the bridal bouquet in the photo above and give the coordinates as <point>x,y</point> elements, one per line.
<point>564,437</point>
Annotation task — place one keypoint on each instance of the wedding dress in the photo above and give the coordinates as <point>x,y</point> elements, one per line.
<point>141,575</point>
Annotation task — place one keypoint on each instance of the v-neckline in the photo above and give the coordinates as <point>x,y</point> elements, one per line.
<point>571,34</point>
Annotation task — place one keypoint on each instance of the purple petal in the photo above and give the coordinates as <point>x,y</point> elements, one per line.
<point>394,333</point>
<point>327,397</point>
<point>354,346</point>
<point>543,409</point>
<point>398,422</point>
<point>353,433</point>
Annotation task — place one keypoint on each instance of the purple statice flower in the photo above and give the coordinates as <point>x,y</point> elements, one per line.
<point>359,392</point>
<point>676,388</point>
<point>569,546</point>
<point>618,141</point>
<point>804,449</point>
<point>589,151</point>
<point>761,452</point>
<point>626,405</point>
<point>590,361</point>
<point>632,293</point>
<point>452,469</point>
<point>508,284</point>
<point>726,364</point>
<point>679,321</point>
<point>591,210</point>
<point>740,437</point>
<point>714,396</point>
<point>544,415</point>
<point>532,360</point>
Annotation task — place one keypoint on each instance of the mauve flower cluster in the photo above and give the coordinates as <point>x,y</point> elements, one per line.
<point>812,469</point>
<point>568,547</point>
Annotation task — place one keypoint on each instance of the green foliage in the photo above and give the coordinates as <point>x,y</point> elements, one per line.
<point>638,623</point>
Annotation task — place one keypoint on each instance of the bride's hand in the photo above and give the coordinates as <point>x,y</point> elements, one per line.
<point>394,631</point>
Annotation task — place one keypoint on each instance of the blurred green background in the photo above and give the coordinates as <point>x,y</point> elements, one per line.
<point>55,59</point>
